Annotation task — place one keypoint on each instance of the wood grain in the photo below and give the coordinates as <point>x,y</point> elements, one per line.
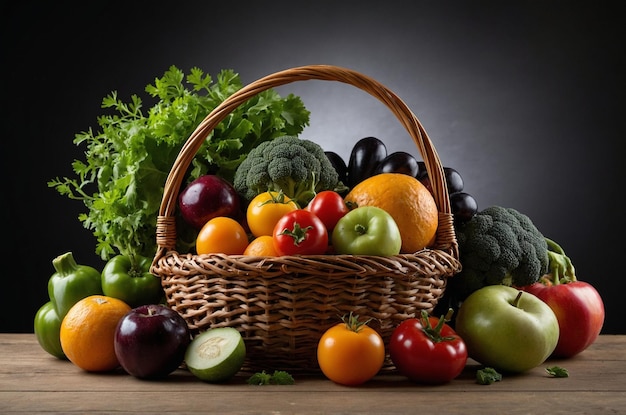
<point>33,382</point>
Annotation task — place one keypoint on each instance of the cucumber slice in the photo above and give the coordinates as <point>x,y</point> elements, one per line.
<point>216,355</point>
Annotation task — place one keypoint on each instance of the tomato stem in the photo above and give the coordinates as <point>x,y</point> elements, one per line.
<point>298,233</point>
<point>352,322</point>
<point>434,333</point>
<point>278,198</point>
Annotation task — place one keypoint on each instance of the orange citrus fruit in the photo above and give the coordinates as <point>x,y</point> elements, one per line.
<point>261,246</point>
<point>407,200</point>
<point>88,332</point>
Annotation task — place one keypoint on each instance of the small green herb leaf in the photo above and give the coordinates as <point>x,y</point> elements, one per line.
<point>557,372</point>
<point>260,378</point>
<point>487,376</point>
<point>279,377</point>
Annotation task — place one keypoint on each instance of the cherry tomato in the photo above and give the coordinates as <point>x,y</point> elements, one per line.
<point>329,206</point>
<point>300,232</point>
<point>222,235</point>
<point>265,209</point>
<point>427,350</point>
<point>350,353</point>
<point>261,246</point>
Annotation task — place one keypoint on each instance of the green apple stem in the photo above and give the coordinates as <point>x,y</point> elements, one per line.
<point>516,301</point>
<point>360,229</point>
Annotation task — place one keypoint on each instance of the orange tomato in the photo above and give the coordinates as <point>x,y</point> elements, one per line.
<point>265,209</point>
<point>350,353</point>
<point>222,235</point>
<point>261,246</point>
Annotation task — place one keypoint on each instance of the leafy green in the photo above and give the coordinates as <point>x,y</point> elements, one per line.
<point>557,372</point>
<point>279,377</point>
<point>121,179</point>
<point>487,376</point>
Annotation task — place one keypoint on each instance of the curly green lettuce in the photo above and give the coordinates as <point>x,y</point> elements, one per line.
<point>126,162</point>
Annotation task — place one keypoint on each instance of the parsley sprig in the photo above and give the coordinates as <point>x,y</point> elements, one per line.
<point>279,377</point>
<point>127,160</point>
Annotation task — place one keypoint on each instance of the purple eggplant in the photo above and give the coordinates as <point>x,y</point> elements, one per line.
<point>365,156</point>
<point>339,165</point>
<point>398,162</point>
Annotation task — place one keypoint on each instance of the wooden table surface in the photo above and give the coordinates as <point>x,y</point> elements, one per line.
<point>32,381</point>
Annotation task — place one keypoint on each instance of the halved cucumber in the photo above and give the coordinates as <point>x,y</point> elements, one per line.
<point>216,355</point>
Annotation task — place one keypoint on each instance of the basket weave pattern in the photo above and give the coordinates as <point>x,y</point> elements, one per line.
<point>282,305</point>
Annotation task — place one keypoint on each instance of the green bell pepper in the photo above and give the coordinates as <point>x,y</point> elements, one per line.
<point>129,279</point>
<point>71,282</point>
<point>47,330</point>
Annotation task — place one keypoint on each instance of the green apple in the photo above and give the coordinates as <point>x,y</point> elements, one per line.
<point>367,230</point>
<point>507,329</point>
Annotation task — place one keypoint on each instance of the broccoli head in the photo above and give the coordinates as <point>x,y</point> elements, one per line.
<point>498,246</point>
<point>297,167</point>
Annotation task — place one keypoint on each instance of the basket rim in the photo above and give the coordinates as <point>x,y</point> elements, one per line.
<point>166,223</point>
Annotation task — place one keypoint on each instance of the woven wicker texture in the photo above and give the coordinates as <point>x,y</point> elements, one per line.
<point>282,305</point>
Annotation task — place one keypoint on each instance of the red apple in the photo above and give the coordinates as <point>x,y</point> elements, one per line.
<point>207,197</point>
<point>577,305</point>
<point>579,310</point>
<point>151,340</point>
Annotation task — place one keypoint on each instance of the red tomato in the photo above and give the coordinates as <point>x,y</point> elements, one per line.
<point>578,307</point>
<point>350,353</point>
<point>300,232</point>
<point>329,206</point>
<point>427,350</point>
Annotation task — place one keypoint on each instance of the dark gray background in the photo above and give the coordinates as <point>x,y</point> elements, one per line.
<point>524,98</point>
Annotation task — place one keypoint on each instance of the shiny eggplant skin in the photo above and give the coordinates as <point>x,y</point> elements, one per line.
<point>463,206</point>
<point>365,156</point>
<point>398,162</point>
<point>339,164</point>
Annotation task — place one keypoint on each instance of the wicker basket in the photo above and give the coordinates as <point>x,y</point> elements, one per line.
<point>282,305</point>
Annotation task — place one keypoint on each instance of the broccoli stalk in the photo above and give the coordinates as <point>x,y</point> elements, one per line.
<point>297,167</point>
<point>560,265</point>
<point>299,191</point>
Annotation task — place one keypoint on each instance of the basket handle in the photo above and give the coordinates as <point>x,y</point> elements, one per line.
<point>166,229</point>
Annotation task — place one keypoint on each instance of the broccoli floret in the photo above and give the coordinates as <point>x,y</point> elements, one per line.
<point>498,246</point>
<point>297,167</point>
